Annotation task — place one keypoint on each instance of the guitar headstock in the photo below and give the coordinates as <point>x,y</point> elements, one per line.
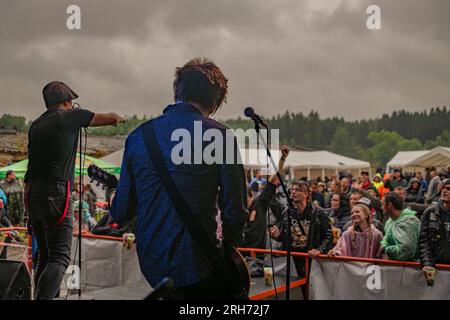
<point>107,180</point>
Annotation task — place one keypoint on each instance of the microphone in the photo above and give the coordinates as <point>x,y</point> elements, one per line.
<point>249,112</point>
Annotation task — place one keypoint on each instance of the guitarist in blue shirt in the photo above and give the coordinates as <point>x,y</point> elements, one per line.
<point>164,245</point>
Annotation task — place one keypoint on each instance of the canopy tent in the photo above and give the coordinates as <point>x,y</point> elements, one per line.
<point>310,164</point>
<point>438,157</point>
<point>20,168</point>
<point>300,163</point>
<point>402,158</point>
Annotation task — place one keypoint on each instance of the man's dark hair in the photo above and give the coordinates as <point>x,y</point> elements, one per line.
<point>361,193</point>
<point>344,202</point>
<point>200,81</point>
<point>399,188</point>
<point>395,199</point>
<point>302,185</point>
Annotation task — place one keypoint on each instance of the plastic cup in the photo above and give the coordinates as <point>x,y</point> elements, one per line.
<point>429,274</point>
<point>268,276</point>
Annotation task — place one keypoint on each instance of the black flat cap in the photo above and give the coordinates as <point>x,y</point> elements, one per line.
<point>56,92</point>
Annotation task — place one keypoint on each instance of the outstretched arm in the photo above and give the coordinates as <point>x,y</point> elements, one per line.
<point>105,119</point>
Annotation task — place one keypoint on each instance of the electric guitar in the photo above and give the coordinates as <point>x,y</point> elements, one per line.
<point>107,180</point>
<point>232,256</point>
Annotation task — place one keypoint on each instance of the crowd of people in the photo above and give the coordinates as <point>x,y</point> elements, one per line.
<point>389,216</point>
<point>13,212</point>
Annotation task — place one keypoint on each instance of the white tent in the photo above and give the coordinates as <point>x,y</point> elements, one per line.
<point>402,158</point>
<point>310,164</point>
<point>438,157</point>
<point>115,157</point>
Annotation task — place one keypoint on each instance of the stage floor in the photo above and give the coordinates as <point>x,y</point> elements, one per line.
<point>258,287</point>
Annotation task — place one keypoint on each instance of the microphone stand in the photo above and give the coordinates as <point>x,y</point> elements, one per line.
<point>289,211</point>
<point>80,210</point>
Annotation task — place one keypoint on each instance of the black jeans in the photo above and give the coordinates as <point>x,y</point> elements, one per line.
<point>47,201</point>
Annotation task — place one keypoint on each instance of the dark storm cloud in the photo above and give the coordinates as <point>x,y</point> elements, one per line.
<point>278,54</point>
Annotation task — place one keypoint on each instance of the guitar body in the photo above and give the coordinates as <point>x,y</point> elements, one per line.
<point>237,263</point>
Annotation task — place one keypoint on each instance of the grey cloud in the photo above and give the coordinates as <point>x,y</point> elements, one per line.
<point>278,55</point>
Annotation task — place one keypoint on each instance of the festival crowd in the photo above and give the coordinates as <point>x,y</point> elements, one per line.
<point>388,216</point>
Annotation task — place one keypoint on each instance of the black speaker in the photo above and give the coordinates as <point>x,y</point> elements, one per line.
<point>15,281</point>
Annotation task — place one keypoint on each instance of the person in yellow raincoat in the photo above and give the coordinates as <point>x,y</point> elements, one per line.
<point>378,184</point>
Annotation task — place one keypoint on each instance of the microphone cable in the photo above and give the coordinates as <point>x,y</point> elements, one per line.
<point>82,159</point>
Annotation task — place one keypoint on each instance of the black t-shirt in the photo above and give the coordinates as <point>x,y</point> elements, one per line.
<point>52,144</point>
<point>443,255</point>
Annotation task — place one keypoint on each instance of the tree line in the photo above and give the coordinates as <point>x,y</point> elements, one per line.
<point>376,140</point>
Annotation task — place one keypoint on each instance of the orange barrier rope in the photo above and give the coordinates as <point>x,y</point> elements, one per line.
<point>94,236</point>
<point>385,262</point>
<point>253,251</point>
<point>13,228</point>
<point>350,259</point>
<point>12,245</point>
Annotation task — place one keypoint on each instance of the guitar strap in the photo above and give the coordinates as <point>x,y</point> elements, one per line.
<point>190,220</point>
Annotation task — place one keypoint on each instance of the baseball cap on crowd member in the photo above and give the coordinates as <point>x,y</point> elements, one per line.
<point>413,179</point>
<point>255,186</point>
<point>446,182</point>
<point>343,175</point>
<point>365,201</point>
<point>443,172</point>
<point>57,92</point>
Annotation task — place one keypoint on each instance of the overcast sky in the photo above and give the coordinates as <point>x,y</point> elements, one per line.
<point>279,55</point>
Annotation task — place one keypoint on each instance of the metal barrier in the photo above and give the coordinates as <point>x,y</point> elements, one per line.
<point>253,251</point>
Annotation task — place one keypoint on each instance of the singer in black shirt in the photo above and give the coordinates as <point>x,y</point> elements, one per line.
<point>52,145</point>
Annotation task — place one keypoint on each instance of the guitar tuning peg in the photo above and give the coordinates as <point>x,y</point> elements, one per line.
<point>92,180</point>
<point>98,184</point>
<point>103,188</point>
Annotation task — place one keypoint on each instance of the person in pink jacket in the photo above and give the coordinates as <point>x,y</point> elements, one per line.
<point>362,239</point>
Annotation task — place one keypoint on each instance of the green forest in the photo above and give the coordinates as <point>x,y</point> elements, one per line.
<point>375,140</point>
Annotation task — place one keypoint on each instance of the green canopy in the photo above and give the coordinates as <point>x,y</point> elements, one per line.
<point>20,168</point>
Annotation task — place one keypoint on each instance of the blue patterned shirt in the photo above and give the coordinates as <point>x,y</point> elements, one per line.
<point>164,246</point>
